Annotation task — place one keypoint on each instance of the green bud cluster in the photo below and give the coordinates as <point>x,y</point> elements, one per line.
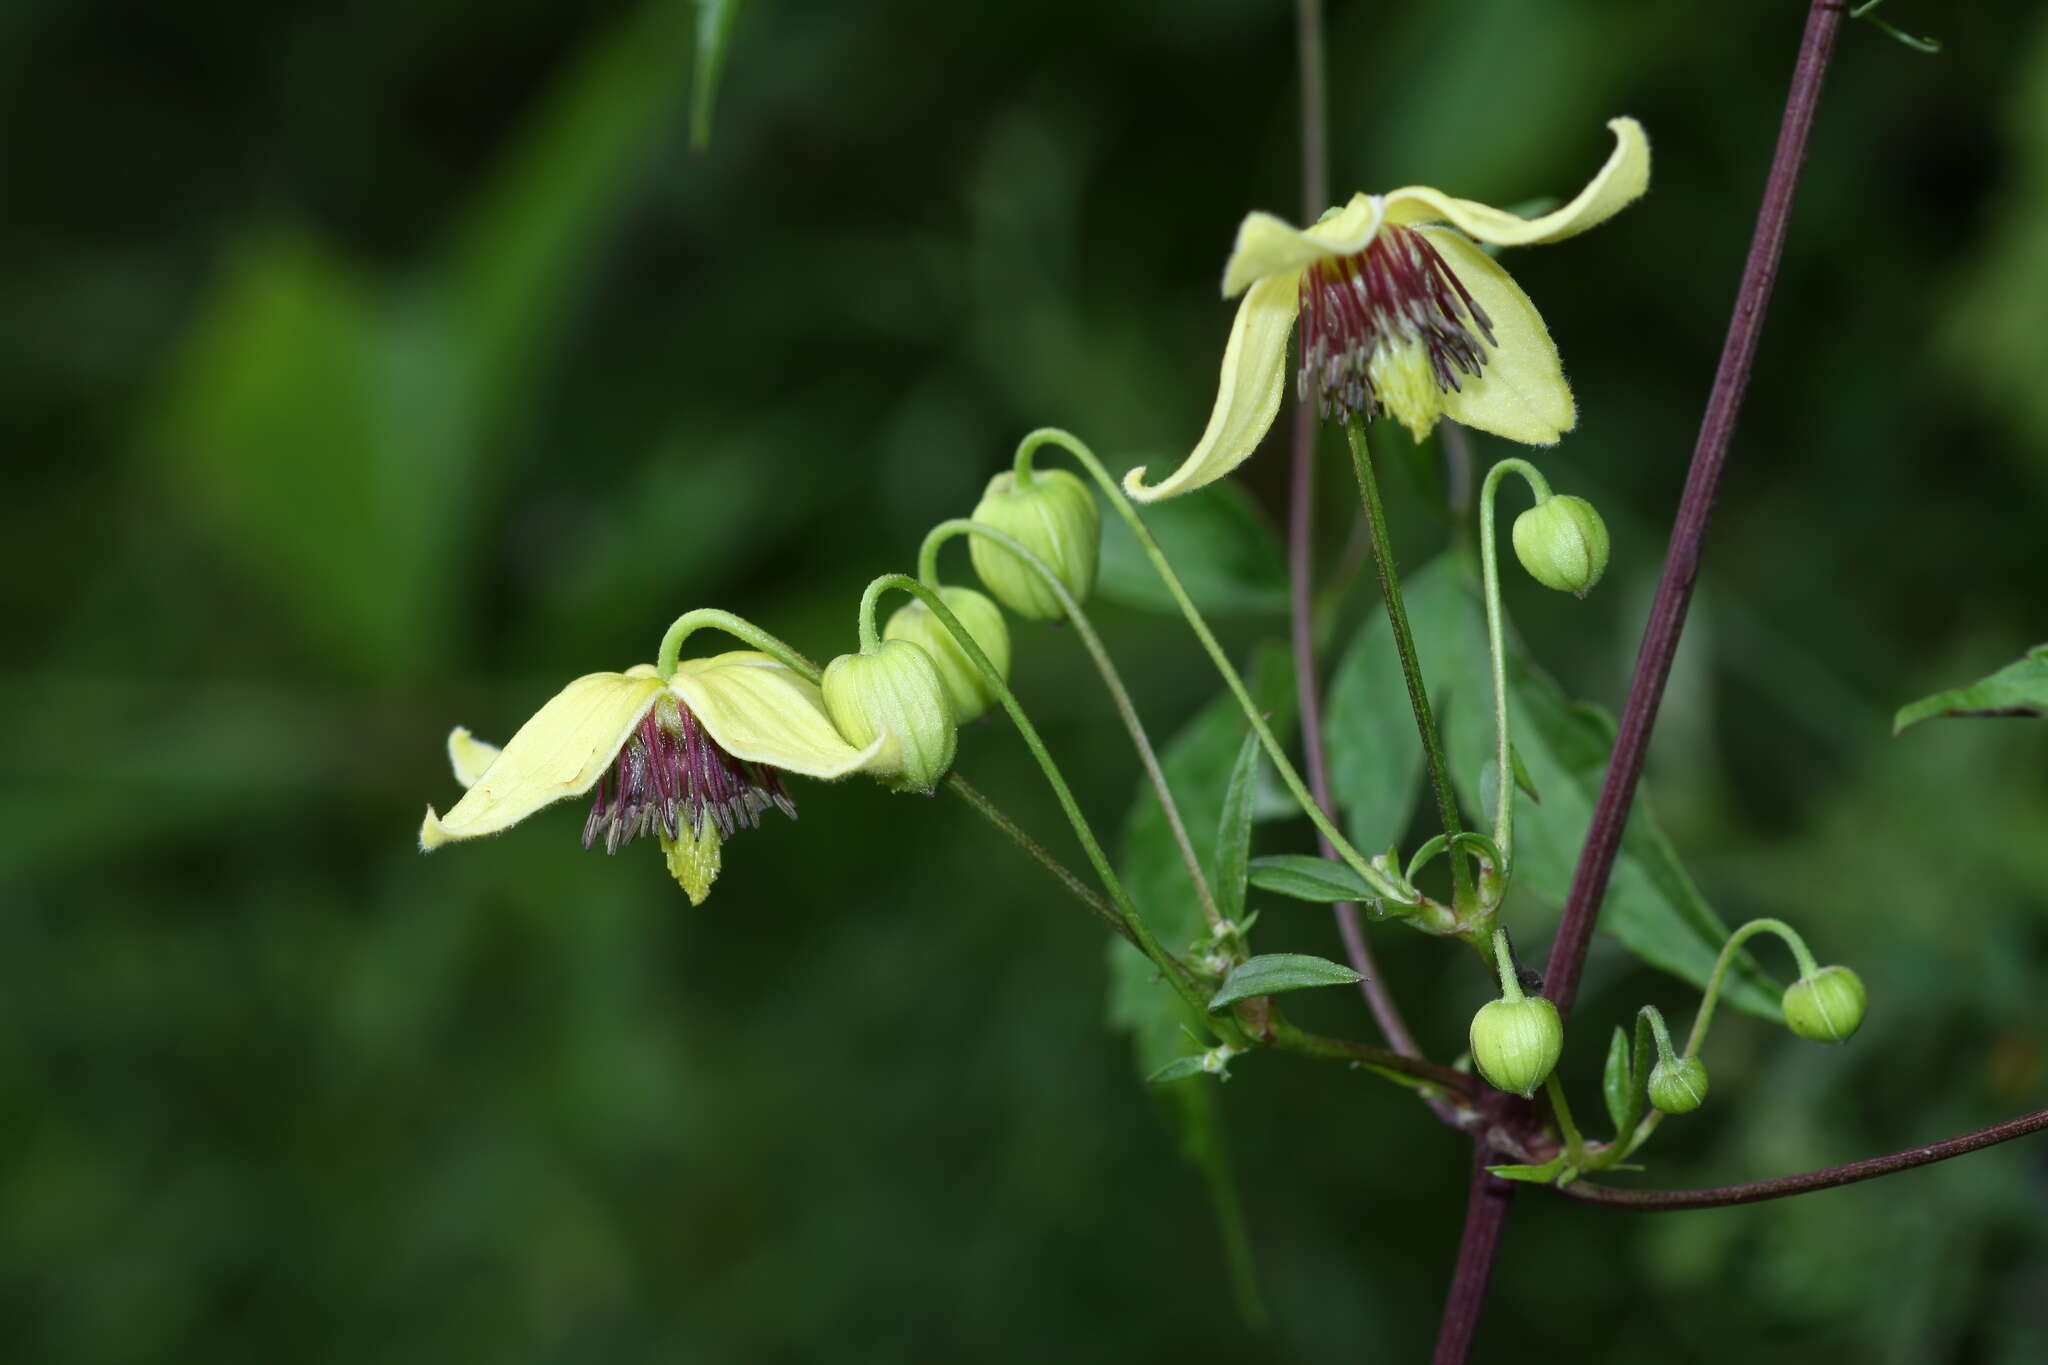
<point>1055,516</point>
<point>971,694</point>
<point>1517,1039</point>
<point>1825,1006</point>
<point>894,692</point>
<point>1562,542</point>
<point>1678,1085</point>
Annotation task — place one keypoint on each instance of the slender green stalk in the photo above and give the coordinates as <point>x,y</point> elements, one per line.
<point>1411,667</point>
<point>1399,897</point>
<point>1489,562</point>
<point>1112,682</point>
<point>1037,852</point>
<point>1177,973</point>
<point>1574,1142</point>
<point>1807,967</point>
<point>710,618</point>
<point>1431,1078</point>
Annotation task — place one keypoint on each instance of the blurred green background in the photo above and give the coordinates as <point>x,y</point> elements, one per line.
<point>372,369</point>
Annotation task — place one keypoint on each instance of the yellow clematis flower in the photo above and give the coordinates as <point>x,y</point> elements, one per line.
<point>690,760</point>
<point>1398,317</point>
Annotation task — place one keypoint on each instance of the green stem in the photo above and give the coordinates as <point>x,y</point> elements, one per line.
<point>1489,561</point>
<point>1574,1143</point>
<point>1807,967</point>
<point>1037,852</point>
<point>710,618</point>
<point>1384,886</point>
<point>1411,667</point>
<point>1431,1078</point>
<point>1177,973</point>
<point>1112,682</point>
<point>1504,967</point>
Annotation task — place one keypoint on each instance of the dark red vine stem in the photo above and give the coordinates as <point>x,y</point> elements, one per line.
<point>1720,1196</point>
<point>1689,531</point>
<point>1486,1208</point>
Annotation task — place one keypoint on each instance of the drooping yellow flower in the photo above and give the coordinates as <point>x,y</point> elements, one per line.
<point>690,760</point>
<point>1398,316</point>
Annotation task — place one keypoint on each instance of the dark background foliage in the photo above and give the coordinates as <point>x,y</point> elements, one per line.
<point>375,368</point>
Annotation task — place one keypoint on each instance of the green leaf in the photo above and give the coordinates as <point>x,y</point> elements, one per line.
<point>1218,542</point>
<point>1375,755</point>
<point>1306,878</point>
<point>1651,905</point>
<point>1234,828</point>
<point>1272,973</point>
<point>1556,1169</point>
<point>1618,1080</point>
<point>2018,689</point>
<point>1197,762</point>
<point>1180,1068</point>
<point>714,35</point>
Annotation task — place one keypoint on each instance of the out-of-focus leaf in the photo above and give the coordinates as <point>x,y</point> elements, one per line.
<point>1197,762</point>
<point>533,234</point>
<point>2018,689</point>
<point>1309,879</point>
<point>1617,1080</point>
<point>287,418</point>
<point>329,428</point>
<point>1234,829</point>
<point>714,35</point>
<point>1272,973</point>
<point>1180,1068</point>
<point>1217,541</point>
<point>1375,755</point>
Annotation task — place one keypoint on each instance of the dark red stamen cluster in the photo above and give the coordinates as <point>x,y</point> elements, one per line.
<point>1396,290</point>
<point>672,774</point>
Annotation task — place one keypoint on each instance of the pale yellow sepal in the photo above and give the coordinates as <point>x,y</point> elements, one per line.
<point>469,756</point>
<point>757,709</point>
<point>1247,398</point>
<point>1618,184</point>
<point>1267,246</point>
<point>1522,394</point>
<point>560,752</point>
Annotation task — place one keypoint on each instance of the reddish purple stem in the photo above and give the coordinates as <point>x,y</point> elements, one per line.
<point>1689,531</point>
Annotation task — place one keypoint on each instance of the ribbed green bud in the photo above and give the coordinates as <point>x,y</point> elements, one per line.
<point>965,687</point>
<point>1678,1085</point>
<point>1826,1007</point>
<point>894,691</point>
<point>1056,518</point>
<point>1516,1043</point>
<point>1562,542</point>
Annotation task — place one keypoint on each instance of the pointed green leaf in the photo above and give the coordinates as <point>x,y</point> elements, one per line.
<point>1309,879</point>
<point>1179,1069</point>
<point>1272,973</point>
<point>1234,829</point>
<point>2018,689</point>
<point>1555,1169</point>
<point>714,35</point>
<point>1618,1080</point>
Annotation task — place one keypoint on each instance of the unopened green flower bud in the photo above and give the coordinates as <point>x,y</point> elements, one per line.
<point>1678,1085</point>
<point>1516,1043</point>
<point>1826,1007</point>
<point>1562,542</point>
<point>894,691</point>
<point>1056,518</point>
<point>969,692</point>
